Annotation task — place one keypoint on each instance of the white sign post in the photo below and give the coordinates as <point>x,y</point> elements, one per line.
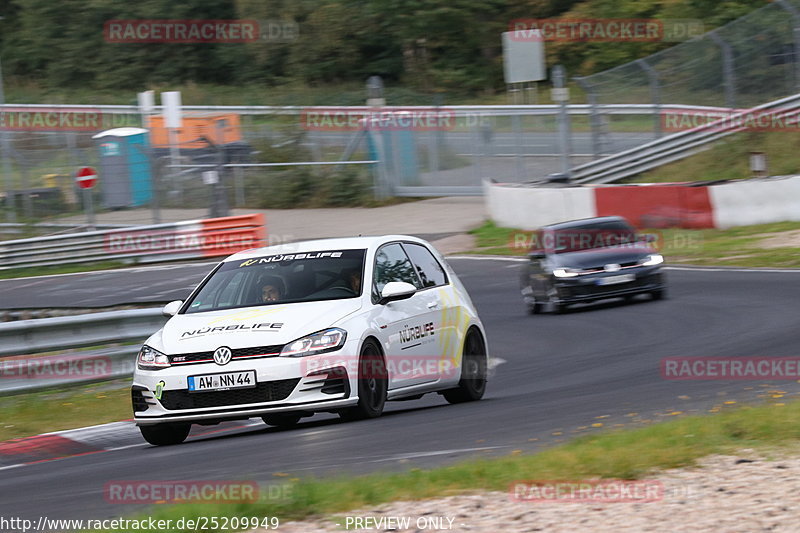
<point>147,102</point>
<point>171,101</point>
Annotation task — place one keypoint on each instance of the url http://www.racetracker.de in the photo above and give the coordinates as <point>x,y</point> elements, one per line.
<point>203,523</point>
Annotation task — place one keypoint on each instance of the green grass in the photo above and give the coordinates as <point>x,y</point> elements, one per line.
<point>624,454</point>
<point>730,159</point>
<point>59,269</point>
<point>27,414</point>
<point>731,247</point>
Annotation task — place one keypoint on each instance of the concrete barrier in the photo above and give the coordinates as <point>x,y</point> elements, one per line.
<point>738,203</point>
<point>533,207</point>
<point>761,201</point>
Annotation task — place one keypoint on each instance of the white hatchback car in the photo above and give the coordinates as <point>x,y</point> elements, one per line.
<point>286,331</point>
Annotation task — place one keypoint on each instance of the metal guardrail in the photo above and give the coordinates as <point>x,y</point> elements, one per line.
<point>158,242</point>
<point>672,147</point>
<point>457,110</point>
<point>21,370</point>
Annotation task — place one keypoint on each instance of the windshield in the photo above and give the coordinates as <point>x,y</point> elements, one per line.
<point>592,237</point>
<point>282,278</point>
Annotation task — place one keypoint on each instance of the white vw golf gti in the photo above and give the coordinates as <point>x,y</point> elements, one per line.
<point>333,325</point>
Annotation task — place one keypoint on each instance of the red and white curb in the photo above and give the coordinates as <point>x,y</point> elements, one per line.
<point>88,440</point>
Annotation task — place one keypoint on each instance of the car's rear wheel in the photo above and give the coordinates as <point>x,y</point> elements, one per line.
<point>165,434</point>
<point>373,384</point>
<point>472,385</point>
<point>281,420</point>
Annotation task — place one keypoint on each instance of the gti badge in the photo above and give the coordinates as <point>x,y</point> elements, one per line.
<point>222,355</point>
<point>612,267</point>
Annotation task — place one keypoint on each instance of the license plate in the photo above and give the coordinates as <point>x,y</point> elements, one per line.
<point>227,380</point>
<point>613,280</point>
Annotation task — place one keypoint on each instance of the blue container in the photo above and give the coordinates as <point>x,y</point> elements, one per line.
<point>125,172</point>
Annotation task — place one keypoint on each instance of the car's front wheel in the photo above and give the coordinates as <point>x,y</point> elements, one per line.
<point>556,306</point>
<point>373,384</point>
<point>472,385</point>
<point>165,434</point>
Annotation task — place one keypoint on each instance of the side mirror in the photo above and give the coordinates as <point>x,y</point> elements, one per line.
<point>172,308</point>
<point>396,290</point>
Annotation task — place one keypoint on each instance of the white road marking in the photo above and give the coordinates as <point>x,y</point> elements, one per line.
<point>494,362</point>
<point>416,455</point>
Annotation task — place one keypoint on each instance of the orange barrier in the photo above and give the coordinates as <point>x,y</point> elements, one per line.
<point>227,235</point>
<point>657,206</point>
<point>191,238</point>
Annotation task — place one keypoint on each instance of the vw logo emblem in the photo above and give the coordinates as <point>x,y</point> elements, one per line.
<point>222,355</point>
<point>612,267</point>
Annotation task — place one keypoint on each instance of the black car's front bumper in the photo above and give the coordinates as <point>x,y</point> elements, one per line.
<point>587,288</point>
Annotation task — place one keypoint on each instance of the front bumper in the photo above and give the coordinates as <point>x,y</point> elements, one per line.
<point>283,384</point>
<point>586,288</point>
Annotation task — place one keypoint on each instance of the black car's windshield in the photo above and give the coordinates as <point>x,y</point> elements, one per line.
<point>594,236</point>
<point>283,278</point>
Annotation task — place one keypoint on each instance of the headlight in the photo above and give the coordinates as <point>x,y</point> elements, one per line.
<point>567,272</point>
<point>322,342</point>
<point>652,260</point>
<point>150,359</point>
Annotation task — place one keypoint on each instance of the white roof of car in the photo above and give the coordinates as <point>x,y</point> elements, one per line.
<point>345,243</point>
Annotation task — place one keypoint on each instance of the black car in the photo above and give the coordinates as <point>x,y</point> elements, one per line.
<point>587,260</point>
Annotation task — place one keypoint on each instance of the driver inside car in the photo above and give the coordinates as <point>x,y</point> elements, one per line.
<point>271,289</point>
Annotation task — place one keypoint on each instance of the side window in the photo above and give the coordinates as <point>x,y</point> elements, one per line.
<point>392,264</point>
<point>428,268</point>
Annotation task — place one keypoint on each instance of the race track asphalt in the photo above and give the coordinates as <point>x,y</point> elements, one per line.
<point>555,376</point>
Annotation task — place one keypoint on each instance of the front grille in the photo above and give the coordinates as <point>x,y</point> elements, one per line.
<point>602,268</point>
<point>592,290</point>
<point>138,400</point>
<point>265,391</point>
<point>236,353</point>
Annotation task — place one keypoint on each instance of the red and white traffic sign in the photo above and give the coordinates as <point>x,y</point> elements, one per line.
<point>86,177</point>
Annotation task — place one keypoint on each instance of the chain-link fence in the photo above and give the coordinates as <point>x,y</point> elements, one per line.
<point>744,63</point>
<point>275,159</point>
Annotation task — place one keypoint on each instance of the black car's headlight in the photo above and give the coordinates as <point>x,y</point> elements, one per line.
<point>316,343</point>
<point>567,272</point>
<point>652,260</point>
<point>151,359</point>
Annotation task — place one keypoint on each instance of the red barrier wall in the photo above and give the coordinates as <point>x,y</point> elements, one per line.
<point>657,206</point>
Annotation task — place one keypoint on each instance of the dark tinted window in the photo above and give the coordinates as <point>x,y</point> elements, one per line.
<point>279,279</point>
<point>428,268</point>
<point>590,236</point>
<point>392,264</point>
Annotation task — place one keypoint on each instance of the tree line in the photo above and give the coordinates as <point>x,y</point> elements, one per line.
<point>427,45</point>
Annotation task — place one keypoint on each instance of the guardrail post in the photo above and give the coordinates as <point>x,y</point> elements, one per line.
<point>728,76</point>
<point>559,82</point>
<point>795,13</point>
<point>655,95</point>
<point>594,115</point>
